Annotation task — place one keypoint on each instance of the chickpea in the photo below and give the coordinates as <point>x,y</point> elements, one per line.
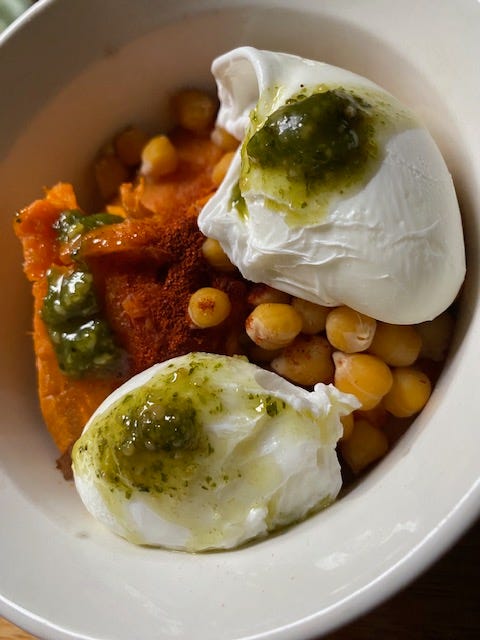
<point>216,256</point>
<point>273,325</point>
<point>194,110</point>
<point>262,293</point>
<point>348,330</point>
<point>219,171</point>
<point>129,144</point>
<point>159,157</point>
<point>314,316</point>
<point>409,393</point>
<point>306,361</point>
<point>208,307</point>
<point>436,335</point>
<point>365,445</point>
<point>365,376</point>
<point>397,345</point>
<point>109,175</point>
<point>224,140</point>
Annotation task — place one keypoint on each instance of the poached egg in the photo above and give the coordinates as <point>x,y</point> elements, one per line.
<point>208,452</point>
<point>337,195</point>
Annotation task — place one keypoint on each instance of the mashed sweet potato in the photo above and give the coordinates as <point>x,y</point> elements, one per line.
<point>144,269</point>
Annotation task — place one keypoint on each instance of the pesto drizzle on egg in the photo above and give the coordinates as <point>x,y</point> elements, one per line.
<point>312,149</point>
<point>154,440</point>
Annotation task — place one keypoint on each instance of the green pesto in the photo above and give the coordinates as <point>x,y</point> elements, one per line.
<point>314,148</point>
<point>154,439</point>
<point>325,137</point>
<point>72,224</point>
<point>70,295</point>
<point>151,440</point>
<point>81,338</point>
<point>85,348</point>
<point>237,201</point>
<point>169,426</point>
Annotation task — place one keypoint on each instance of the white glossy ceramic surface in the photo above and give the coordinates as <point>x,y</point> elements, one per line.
<point>74,72</point>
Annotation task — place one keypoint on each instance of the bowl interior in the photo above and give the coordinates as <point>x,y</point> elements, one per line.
<point>69,98</point>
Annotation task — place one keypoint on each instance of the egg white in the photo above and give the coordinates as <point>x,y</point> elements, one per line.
<point>393,250</point>
<point>270,470</point>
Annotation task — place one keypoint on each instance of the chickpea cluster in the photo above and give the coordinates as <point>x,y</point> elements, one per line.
<point>386,366</point>
<point>382,364</point>
<point>133,153</point>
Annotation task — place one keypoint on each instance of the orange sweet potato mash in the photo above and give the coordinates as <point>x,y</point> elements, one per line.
<point>66,403</point>
<point>140,273</point>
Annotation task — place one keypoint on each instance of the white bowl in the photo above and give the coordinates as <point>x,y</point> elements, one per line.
<point>72,73</point>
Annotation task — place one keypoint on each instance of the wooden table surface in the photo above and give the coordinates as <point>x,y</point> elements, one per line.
<point>443,604</point>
